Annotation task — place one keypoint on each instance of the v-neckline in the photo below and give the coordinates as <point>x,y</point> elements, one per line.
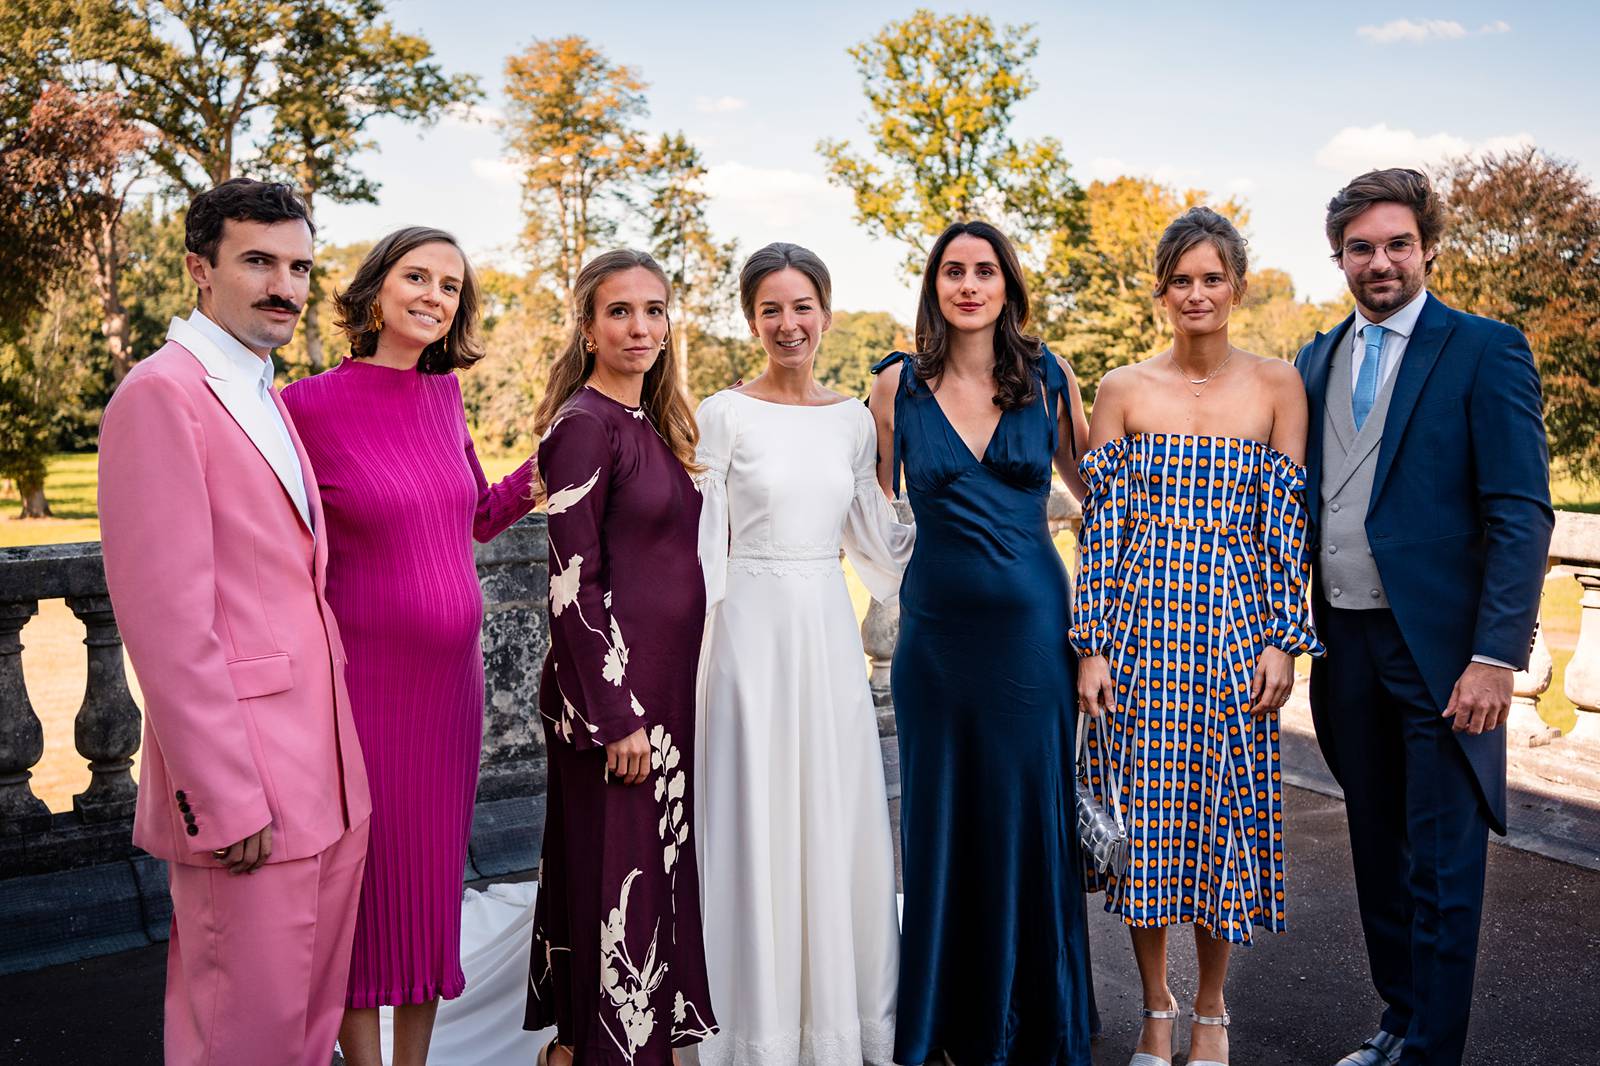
<point>977,457</point>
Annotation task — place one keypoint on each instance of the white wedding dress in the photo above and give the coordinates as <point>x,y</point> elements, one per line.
<point>791,820</point>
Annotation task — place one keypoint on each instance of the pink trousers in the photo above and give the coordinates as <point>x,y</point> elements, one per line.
<point>258,963</point>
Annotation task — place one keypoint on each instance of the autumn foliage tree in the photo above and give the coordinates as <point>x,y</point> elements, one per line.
<point>1522,244</point>
<point>572,130</point>
<point>942,92</point>
<point>55,168</point>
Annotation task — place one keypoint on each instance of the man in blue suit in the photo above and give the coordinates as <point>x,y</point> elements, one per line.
<point>1428,487</point>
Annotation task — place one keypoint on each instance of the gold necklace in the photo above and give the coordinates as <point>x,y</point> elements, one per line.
<point>1203,382</point>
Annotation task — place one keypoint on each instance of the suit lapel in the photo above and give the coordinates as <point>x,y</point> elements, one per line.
<point>1422,352</point>
<point>319,556</point>
<point>1318,360</point>
<point>240,400</point>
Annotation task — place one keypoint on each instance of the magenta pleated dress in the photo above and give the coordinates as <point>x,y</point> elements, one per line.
<point>404,497</point>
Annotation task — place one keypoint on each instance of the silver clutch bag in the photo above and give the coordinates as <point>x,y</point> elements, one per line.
<point>1101,833</point>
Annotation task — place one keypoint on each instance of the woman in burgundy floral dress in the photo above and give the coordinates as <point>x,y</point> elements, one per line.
<point>618,966</point>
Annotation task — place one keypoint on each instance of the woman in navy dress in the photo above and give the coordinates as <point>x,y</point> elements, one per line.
<point>994,949</point>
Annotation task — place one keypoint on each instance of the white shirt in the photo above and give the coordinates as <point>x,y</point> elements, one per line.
<point>1399,327</point>
<point>244,365</point>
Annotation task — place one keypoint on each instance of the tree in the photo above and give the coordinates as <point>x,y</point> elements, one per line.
<point>570,125</point>
<point>56,167</point>
<point>1273,323</point>
<point>857,340</point>
<point>942,90</point>
<point>42,375</point>
<point>523,329</point>
<point>338,67</point>
<point>702,271</point>
<point>195,72</point>
<point>1522,244</point>
<point>1096,295</point>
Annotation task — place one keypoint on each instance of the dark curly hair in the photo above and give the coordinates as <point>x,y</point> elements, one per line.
<point>239,200</point>
<point>1016,353</point>
<point>1397,185</point>
<point>458,349</point>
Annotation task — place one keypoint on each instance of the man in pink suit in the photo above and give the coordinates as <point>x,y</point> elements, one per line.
<point>252,786</point>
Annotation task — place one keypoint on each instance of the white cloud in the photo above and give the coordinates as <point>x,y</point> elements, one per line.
<point>779,197</point>
<point>1415,31</point>
<point>718,105</point>
<point>1355,149</point>
<point>494,171</point>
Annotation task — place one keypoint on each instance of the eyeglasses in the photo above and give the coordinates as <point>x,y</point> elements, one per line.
<point>1361,252</point>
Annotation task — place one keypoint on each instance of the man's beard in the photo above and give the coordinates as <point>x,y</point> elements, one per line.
<point>1390,301</point>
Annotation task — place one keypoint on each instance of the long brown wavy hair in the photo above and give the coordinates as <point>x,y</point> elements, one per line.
<point>662,396</point>
<point>1016,353</point>
<point>459,348</point>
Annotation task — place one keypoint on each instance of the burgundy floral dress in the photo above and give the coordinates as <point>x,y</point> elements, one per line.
<point>618,964</point>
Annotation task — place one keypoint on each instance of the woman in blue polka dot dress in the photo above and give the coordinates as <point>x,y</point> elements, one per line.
<point>1189,609</point>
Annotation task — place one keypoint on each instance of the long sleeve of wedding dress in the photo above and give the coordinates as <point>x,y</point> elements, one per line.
<point>877,544</point>
<point>718,433</point>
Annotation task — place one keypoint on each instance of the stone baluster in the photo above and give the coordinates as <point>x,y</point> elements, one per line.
<point>1524,726</point>
<point>1583,671</point>
<point>880,630</point>
<point>108,722</point>
<point>21,733</point>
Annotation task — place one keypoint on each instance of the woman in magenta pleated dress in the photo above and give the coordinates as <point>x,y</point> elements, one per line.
<point>404,498</point>
<point>618,966</point>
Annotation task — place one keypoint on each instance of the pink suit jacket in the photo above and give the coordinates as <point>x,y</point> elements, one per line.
<point>217,583</point>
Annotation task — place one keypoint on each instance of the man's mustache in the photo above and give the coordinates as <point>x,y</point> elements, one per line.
<point>278,303</point>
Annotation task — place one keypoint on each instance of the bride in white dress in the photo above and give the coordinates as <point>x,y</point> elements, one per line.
<point>796,859</point>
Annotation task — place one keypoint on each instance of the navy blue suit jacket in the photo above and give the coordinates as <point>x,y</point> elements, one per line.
<point>1459,520</point>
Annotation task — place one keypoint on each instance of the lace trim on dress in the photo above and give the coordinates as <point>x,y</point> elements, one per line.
<point>748,564</point>
<point>871,1043</point>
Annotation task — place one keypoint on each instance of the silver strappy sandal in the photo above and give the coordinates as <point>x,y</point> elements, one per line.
<point>1202,1019</point>
<point>1144,1058</point>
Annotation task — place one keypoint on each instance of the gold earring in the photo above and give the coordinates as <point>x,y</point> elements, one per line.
<point>588,345</point>
<point>663,346</point>
<point>377,317</point>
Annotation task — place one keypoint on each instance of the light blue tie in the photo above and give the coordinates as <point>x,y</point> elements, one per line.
<point>1366,393</point>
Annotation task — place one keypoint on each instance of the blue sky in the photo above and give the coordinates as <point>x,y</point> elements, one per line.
<point>1275,103</point>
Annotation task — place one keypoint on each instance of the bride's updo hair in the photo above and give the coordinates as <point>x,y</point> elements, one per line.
<point>1196,226</point>
<point>777,256</point>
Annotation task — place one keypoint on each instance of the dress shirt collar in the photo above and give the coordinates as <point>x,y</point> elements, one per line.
<point>1403,321</point>
<point>238,363</point>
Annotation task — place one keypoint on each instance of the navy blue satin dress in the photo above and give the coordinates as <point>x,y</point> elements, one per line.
<point>994,955</point>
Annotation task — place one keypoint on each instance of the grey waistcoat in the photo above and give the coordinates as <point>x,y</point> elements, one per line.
<point>1345,566</point>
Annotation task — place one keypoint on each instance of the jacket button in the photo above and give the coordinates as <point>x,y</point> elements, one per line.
<point>1337,593</point>
<point>184,807</point>
<point>179,795</point>
<point>1333,507</point>
<point>193,830</point>
<point>188,817</point>
<point>1375,593</point>
<point>1333,549</point>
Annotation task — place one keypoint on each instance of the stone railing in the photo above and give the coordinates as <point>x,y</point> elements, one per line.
<point>72,884</point>
<point>1575,550</point>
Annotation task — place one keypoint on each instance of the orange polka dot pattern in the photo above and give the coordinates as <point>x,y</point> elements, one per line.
<point>1194,558</point>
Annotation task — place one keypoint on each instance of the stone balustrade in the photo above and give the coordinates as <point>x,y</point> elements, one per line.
<point>72,884</point>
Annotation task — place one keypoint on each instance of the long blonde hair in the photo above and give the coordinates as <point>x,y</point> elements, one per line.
<point>662,398</point>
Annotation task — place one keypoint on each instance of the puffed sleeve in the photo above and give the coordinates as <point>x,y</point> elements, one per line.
<point>1101,543</point>
<point>718,433</point>
<point>878,544</point>
<point>1282,535</point>
<point>575,460</point>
